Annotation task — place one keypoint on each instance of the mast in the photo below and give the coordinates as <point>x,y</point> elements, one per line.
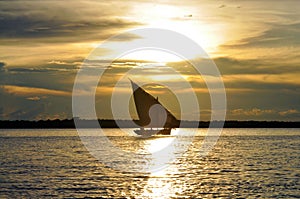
<point>143,103</point>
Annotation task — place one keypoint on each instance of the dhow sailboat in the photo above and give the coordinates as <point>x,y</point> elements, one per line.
<point>154,118</point>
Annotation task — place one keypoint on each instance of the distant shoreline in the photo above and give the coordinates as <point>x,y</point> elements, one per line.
<point>69,123</point>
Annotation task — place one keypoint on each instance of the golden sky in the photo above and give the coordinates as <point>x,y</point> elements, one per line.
<point>255,45</point>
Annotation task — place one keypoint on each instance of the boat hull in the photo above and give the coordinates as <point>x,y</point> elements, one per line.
<point>150,132</point>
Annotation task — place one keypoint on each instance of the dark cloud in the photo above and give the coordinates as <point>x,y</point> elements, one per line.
<point>28,70</point>
<point>55,74</point>
<point>261,85</point>
<point>52,21</point>
<point>29,114</point>
<point>1,112</point>
<point>52,66</point>
<point>18,108</point>
<point>2,73</point>
<point>229,65</point>
<point>34,106</point>
<point>125,37</point>
<point>24,27</point>
<point>2,70</point>
<point>278,35</point>
<point>267,95</point>
<point>2,64</point>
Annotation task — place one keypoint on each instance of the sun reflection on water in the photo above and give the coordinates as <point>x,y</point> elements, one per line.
<point>164,152</point>
<point>161,185</point>
<point>157,187</point>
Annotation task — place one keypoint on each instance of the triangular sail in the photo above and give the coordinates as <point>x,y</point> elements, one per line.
<point>143,103</point>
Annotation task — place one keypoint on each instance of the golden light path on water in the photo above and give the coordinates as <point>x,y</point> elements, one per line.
<point>159,184</point>
<point>156,186</point>
<point>166,158</point>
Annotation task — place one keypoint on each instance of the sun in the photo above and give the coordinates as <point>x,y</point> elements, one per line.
<point>185,20</point>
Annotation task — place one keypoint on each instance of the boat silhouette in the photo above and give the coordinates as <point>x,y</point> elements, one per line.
<point>154,118</point>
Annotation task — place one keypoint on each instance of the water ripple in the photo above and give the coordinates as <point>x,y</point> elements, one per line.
<point>240,166</point>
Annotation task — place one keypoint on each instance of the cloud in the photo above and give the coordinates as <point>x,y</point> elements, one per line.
<point>235,66</point>
<point>29,22</point>
<point>264,114</point>
<point>228,65</point>
<point>2,64</point>
<point>2,72</point>
<point>1,112</point>
<point>36,98</point>
<point>50,66</point>
<point>289,112</point>
<point>278,35</point>
<point>29,91</point>
<point>28,113</point>
<point>126,36</point>
<point>276,80</point>
<point>57,31</point>
<point>252,112</point>
<point>53,75</point>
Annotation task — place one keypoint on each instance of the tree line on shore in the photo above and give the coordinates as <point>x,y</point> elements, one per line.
<point>69,123</point>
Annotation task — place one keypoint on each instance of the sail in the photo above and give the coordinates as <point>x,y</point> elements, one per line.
<point>149,107</point>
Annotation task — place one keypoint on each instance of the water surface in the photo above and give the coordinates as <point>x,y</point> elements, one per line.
<point>247,163</point>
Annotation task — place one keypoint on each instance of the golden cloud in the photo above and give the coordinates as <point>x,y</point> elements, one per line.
<point>252,112</point>
<point>29,91</point>
<point>288,112</point>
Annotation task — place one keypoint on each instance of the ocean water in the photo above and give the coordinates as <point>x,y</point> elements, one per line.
<point>244,163</point>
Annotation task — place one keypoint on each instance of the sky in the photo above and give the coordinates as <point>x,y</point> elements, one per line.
<point>254,44</point>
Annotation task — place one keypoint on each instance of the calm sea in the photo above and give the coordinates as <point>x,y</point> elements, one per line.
<point>244,163</point>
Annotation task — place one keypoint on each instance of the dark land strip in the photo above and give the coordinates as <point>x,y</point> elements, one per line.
<point>69,123</point>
